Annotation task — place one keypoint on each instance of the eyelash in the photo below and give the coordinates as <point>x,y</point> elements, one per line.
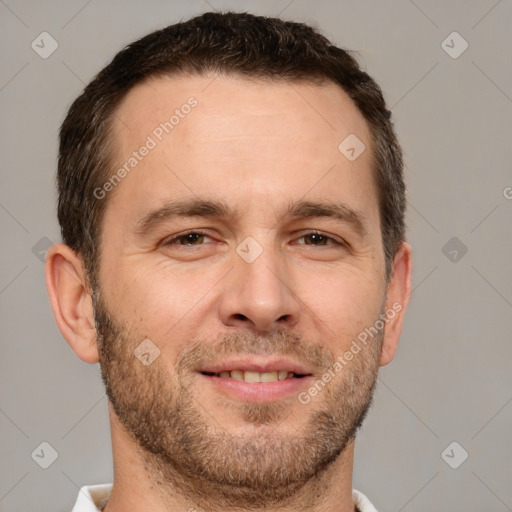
<point>170,241</point>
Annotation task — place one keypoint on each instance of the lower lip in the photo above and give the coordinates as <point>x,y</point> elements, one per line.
<point>258,391</point>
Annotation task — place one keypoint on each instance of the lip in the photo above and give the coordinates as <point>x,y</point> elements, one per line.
<point>260,364</point>
<point>258,391</point>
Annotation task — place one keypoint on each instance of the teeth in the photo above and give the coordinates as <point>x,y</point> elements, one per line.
<point>237,375</point>
<point>249,376</point>
<point>268,377</point>
<point>252,377</point>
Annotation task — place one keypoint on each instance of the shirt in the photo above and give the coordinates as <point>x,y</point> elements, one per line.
<point>92,498</point>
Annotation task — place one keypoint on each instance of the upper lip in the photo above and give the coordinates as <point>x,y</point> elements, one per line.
<point>260,364</point>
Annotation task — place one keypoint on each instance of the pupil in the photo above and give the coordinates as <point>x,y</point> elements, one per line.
<point>316,238</point>
<point>192,237</point>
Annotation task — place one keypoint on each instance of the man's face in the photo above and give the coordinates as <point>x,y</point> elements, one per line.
<point>265,289</point>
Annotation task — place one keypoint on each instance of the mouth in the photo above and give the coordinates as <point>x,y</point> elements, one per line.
<point>254,376</point>
<point>257,379</point>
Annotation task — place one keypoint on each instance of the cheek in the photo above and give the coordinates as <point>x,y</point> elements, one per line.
<point>160,303</point>
<point>345,302</point>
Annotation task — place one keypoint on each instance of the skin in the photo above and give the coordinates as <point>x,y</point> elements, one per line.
<point>257,147</point>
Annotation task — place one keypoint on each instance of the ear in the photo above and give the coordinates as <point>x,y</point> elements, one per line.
<point>397,300</point>
<point>71,301</point>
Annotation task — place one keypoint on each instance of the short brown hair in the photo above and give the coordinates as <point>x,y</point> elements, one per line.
<point>226,43</point>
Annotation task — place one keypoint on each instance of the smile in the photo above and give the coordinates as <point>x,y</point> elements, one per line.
<point>253,376</point>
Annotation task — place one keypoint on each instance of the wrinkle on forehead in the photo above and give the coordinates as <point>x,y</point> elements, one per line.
<point>230,110</point>
<point>246,143</point>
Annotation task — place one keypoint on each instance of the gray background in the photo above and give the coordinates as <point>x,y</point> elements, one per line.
<point>451,378</point>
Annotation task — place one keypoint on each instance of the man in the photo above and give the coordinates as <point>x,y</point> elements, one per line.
<point>232,204</point>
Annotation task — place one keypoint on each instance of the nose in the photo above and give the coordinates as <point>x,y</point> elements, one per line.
<point>259,295</point>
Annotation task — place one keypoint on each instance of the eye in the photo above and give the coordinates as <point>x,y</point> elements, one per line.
<point>197,238</point>
<point>318,239</point>
<point>189,239</point>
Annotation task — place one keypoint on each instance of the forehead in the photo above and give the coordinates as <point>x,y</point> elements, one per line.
<point>259,107</point>
<point>243,140</point>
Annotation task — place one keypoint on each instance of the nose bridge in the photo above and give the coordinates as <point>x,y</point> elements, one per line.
<point>264,277</point>
<point>259,291</point>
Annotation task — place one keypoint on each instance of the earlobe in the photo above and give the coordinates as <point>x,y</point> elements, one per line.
<point>397,300</point>
<point>71,301</point>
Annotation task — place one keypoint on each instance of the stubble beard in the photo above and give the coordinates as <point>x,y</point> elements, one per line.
<point>186,449</point>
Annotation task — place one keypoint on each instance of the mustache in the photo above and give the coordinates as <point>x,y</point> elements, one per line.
<point>278,343</point>
<point>200,351</point>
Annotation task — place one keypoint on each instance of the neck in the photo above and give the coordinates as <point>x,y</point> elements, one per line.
<point>140,485</point>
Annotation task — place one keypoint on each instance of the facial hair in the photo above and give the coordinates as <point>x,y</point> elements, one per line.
<point>186,448</point>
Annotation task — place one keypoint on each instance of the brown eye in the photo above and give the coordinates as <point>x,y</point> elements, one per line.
<point>316,239</point>
<point>319,240</point>
<point>190,239</point>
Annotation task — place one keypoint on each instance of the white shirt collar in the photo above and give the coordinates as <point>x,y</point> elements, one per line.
<point>92,498</point>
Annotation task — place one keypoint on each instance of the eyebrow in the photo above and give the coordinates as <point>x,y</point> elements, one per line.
<point>196,207</point>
